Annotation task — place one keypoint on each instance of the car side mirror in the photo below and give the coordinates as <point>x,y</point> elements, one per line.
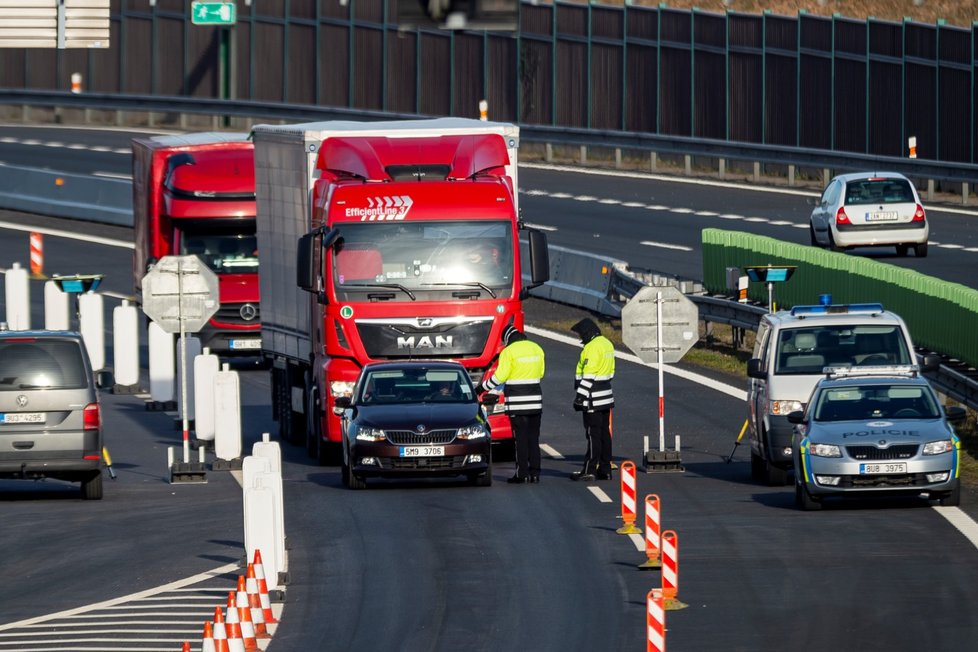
<point>796,417</point>
<point>955,413</point>
<point>755,368</point>
<point>341,404</point>
<point>104,379</point>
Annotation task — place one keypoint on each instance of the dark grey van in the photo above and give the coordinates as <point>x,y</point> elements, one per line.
<point>50,417</point>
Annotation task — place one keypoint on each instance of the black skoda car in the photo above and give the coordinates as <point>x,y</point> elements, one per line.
<point>413,419</point>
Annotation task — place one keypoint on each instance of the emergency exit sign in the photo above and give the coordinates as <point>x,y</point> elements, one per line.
<point>213,13</point>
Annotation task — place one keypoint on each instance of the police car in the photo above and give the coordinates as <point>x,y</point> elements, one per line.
<point>875,431</point>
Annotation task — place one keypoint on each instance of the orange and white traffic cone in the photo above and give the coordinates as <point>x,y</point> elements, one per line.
<point>186,647</point>
<point>254,601</point>
<point>266,601</point>
<point>220,632</point>
<point>233,624</point>
<point>207,641</point>
<point>244,615</point>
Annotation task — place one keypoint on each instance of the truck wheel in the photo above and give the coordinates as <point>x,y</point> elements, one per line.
<point>804,500</point>
<point>952,498</point>
<point>91,488</point>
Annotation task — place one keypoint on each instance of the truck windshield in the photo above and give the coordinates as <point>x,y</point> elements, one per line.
<point>471,256</point>
<point>810,349</point>
<point>223,253</point>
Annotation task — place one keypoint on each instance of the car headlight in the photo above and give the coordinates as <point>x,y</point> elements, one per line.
<point>341,387</point>
<point>371,434</point>
<point>824,450</point>
<point>783,408</point>
<point>472,432</point>
<point>938,447</point>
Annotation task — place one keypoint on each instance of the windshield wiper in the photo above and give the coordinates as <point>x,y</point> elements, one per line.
<point>394,286</point>
<point>474,284</point>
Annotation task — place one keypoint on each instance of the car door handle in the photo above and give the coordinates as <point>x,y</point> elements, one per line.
<point>23,445</point>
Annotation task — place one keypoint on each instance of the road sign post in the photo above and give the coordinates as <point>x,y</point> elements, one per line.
<point>180,293</point>
<point>666,317</point>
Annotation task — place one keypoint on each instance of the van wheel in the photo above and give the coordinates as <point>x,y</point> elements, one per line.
<point>91,488</point>
<point>804,500</point>
<point>952,498</point>
<point>758,467</point>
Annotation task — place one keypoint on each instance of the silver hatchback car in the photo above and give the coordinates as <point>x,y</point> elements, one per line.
<point>50,417</point>
<point>868,209</point>
<point>875,431</point>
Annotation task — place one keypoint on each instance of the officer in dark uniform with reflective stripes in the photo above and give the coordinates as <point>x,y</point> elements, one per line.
<point>593,397</point>
<point>520,370</point>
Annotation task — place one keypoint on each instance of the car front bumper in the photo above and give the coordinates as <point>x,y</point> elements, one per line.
<point>838,476</point>
<point>381,459</point>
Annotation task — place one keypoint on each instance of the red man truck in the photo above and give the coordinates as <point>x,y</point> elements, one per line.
<point>404,241</point>
<point>195,194</point>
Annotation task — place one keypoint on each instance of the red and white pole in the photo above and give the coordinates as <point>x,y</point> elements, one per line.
<point>37,254</point>
<point>628,499</point>
<point>652,538</point>
<point>670,570</point>
<point>655,621</point>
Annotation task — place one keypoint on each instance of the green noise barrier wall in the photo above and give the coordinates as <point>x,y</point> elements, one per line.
<point>941,316</point>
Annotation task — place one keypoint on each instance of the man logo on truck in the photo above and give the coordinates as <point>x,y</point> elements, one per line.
<point>425,342</point>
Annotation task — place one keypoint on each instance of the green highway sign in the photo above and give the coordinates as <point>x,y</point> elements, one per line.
<point>212,13</point>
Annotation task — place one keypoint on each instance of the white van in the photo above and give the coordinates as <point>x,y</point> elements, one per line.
<point>791,350</point>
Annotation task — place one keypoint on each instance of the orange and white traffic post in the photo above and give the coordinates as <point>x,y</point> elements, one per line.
<point>670,571</point>
<point>652,539</point>
<point>628,499</point>
<point>655,622</point>
<point>37,254</point>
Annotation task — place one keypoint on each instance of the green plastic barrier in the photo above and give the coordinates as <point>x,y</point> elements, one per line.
<point>941,316</point>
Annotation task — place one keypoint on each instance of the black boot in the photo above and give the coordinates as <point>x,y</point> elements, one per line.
<point>516,479</point>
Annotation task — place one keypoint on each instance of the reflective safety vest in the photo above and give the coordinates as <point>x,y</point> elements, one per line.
<point>520,368</point>
<point>595,369</point>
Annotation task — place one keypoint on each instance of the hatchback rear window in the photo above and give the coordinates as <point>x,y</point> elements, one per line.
<point>879,191</point>
<point>41,364</point>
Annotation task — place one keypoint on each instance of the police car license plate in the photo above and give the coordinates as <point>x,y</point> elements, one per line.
<point>22,417</point>
<point>885,468</point>
<point>238,345</point>
<point>422,451</point>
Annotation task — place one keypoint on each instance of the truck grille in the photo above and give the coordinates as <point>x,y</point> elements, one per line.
<point>411,438</point>
<point>900,452</point>
<point>234,313</point>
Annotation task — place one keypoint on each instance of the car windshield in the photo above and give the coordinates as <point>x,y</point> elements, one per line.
<point>223,253</point>
<point>34,363</point>
<point>425,256</point>
<point>810,349</point>
<point>400,386</point>
<point>879,191</point>
<point>882,401</point>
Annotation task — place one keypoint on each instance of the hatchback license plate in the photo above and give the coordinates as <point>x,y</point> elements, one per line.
<point>22,417</point>
<point>422,451</point>
<point>237,345</point>
<point>881,216</point>
<point>885,468</point>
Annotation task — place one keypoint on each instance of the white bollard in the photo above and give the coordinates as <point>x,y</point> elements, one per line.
<point>17,293</point>
<point>271,453</point>
<point>162,370</point>
<point>262,512</point>
<point>57,308</point>
<point>269,450</point>
<point>125,345</point>
<point>227,415</point>
<point>91,318</point>
<point>193,350</point>
<point>206,366</point>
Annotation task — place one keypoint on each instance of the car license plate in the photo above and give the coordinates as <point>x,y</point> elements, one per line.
<point>237,345</point>
<point>884,468</point>
<point>422,451</point>
<point>881,216</point>
<point>22,417</point>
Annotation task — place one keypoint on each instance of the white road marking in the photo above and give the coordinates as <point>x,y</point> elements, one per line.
<point>110,242</point>
<point>551,451</point>
<point>961,521</point>
<point>663,245</point>
<point>599,494</point>
<point>541,227</point>
<point>113,175</point>
<point>639,541</point>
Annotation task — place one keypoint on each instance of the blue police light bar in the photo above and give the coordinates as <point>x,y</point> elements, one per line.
<point>838,308</point>
<point>78,284</point>
<point>770,273</point>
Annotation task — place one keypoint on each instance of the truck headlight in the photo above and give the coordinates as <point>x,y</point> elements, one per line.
<point>341,387</point>
<point>824,450</point>
<point>783,408</point>
<point>371,434</point>
<point>938,447</point>
<point>471,432</point>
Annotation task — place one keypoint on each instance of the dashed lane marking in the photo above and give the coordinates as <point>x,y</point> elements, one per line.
<point>663,245</point>
<point>551,451</point>
<point>599,494</point>
<point>109,242</point>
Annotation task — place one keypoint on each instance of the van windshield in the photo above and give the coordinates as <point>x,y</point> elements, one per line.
<point>809,349</point>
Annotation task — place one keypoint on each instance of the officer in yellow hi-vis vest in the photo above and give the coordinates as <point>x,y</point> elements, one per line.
<point>593,397</point>
<point>520,370</point>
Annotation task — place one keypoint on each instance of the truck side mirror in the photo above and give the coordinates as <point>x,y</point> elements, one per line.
<point>755,368</point>
<point>930,362</point>
<point>539,258</point>
<point>305,271</point>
